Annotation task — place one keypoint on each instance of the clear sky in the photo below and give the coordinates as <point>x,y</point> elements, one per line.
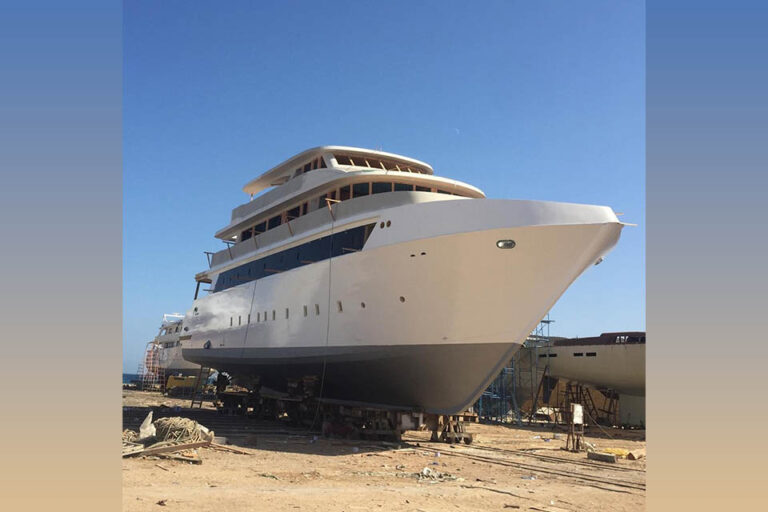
<point>525,100</point>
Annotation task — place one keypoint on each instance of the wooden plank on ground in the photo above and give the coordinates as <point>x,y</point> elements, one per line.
<point>604,457</point>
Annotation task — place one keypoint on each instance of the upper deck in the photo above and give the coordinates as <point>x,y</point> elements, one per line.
<point>338,157</point>
<point>304,182</point>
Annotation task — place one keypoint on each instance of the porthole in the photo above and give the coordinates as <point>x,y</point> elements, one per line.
<point>381,225</point>
<point>402,299</point>
<point>362,305</point>
<point>505,244</point>
<point>389,223</point>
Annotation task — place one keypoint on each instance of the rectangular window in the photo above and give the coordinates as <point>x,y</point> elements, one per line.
<point>578,354</point>
<point>265,316</point>
<point>379,187</point>
<point>275,221</point>
<point>293,213</point>
<point>591,354</point>
<point>239,320</point>
<point>249,318</point>
<point>308,167</point>
<point>304,208</point>
<point>273,314</point>
<point>231,321</point>
<point>360,189</point>
<point>322,163</point>
<point>423,189</point>
<point>345,193</point>
<point>317,309</point>
<point>260,228</point>
<point>258,317</point>
<point>286,313</point>
<point>245,235</point>
<point>343,160</point>
<point>403,187</point>
<point>305,310</point>
<point>439,191</point>
<point>341,309</point>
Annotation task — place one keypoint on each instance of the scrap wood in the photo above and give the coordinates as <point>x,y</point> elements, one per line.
<point>224,448</point>
<point>170,448</point>
<point>636,454</point>
<point>131,448</point>
<point>195,459</point>
<point>162,467</point>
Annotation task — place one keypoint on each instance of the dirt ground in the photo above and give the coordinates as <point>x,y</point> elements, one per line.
<point>289,469</point>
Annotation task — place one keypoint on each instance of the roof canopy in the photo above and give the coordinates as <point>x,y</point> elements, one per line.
<point>288,169</point>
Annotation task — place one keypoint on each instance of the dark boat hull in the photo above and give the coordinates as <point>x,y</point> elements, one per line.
<point>440,379</point>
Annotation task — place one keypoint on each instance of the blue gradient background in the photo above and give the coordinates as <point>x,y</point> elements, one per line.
<point>707,157</point>
<point>60,211</point>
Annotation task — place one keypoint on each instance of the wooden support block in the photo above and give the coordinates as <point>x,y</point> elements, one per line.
<point>636,454</point>
<point>604,457</point>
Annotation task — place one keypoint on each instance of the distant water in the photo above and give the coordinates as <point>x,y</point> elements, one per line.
<point>130,377</point>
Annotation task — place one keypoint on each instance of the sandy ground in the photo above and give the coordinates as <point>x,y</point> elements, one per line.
<point>288,469</point>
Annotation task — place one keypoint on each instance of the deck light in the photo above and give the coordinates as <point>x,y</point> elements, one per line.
<point>505,244</point>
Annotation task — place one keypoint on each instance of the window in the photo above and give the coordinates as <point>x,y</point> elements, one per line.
<point>265,316</point>
<point>304,208</point>
<point>360,189</point>
<point>439,191</point>
<point>245,235</point>
<point>260,228</point>
<point>341,309</point>
<point>231,320</point>
<point>273,314</point>
<point>591,354</point>
<point>258,317</point>
<point>379,187</point>
<point>308,167</point>
<point>578,354</point>
<point>249,318</point>
<point>305,310</point>
<point>317,309</point>
<point>422,189</point>
<point>322,163</point>
<point>274,221</point>
<point>286,313</point>
<point>345,193</point>
<point>293,213</point>
<point>343,160</point>
<point>403,187</point>
<point>239,320</point>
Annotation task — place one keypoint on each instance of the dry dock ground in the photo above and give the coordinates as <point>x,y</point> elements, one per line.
<point>289,469</point>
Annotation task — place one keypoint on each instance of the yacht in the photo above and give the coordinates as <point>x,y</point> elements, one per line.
<point>168,348</point>
<point>362,277</point>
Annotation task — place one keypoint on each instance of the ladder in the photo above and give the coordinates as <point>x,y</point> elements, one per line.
<point>198,395</point>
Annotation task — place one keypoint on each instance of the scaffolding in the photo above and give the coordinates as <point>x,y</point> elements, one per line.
<point>498,404</point>
<point>151,374</point>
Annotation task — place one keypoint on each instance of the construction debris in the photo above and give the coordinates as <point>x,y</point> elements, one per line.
<point>636,454</point>
<point>174,438</point>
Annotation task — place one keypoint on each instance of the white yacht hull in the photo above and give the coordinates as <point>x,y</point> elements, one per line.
<point>424,316</point>
<point>172,362</point>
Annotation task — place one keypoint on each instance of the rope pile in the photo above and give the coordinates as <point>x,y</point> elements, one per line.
<point>181,429</point>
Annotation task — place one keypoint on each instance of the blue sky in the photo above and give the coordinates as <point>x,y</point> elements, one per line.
<point>524,100</point>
